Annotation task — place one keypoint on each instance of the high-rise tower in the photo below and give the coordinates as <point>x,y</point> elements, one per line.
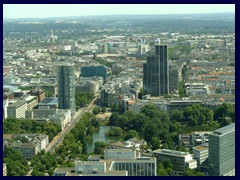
<point>156,72</point>
<point>66,88</point>
<point>221,158</point>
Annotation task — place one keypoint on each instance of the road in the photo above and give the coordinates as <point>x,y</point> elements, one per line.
<point>58,139</point>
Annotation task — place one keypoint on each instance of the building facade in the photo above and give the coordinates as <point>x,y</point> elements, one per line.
<point>200,153</point>
<point>129,160</point>
<point>181,160</point>
<point>91,71</point>
<point>173,78</point>
<point>17,109</point>
<point>156,72</point>
<point>66,88</point>
<point>28,144</point>
<point>222,151</point>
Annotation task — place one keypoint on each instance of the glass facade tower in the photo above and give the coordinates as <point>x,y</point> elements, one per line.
<point>156,72</point>
<point>222,151</point>
<point>66,88</point>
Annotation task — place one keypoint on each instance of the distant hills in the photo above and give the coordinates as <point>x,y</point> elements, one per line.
<point>195,23</point>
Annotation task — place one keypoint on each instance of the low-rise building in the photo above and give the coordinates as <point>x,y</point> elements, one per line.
<point>133,143</point>
<point>117,162</point>
<point>31,102</point>
<point>200,153</point>
<point>194,139</point>
<point>17,109</point>
<point>181,160</point>
<point>48,103</point>
<point>59,116</point>
<point>28,144</point>
<point>5,105</point>
<point>39,93</point>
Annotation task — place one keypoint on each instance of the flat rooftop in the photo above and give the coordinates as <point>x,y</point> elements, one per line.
<point>49,101</point>
<point>18,104</point>
<point>200,148</point>
<point>225,129</point>
<point>171,152</point>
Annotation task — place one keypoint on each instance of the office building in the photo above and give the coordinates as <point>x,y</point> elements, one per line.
<point>222,151</point>
<point>181,160</point>
<point>91,71</point>
<point>200,153</point>
<point>173,78</point>
<point>17,109</point>
<point>117,162</point>
<point>39,93</point>
<point>31,102</point>
<point>156,72</point>
<point>66,88</point>
<point>129,160</point>
<point>143,49</point>
<point>48,103</point>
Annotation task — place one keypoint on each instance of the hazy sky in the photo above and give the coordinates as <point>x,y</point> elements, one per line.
<point>63,10</point>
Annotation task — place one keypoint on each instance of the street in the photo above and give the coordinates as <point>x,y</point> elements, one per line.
<point>58,139</point>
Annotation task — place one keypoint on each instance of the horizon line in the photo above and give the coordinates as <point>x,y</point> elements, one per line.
<point>116,15</point>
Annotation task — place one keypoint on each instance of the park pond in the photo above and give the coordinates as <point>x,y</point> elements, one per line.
<point>99,136</point>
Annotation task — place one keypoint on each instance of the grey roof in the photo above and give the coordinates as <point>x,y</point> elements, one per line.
<point>17,104</point>
<point>49,101</point>
<point>225,129</point>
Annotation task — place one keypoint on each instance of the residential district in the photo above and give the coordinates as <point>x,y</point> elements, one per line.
<point>166,94</point>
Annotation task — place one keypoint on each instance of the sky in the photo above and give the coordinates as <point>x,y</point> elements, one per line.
<point>65,10</point>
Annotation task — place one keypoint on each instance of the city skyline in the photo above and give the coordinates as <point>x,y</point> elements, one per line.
<point>15,11</point>
<point>119,95</point>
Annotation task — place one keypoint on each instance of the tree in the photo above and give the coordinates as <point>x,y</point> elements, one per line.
<point>83,98</point>
<point>114,131</point>
<point>165,168</point>
<point>225,111</point>
<point>131,134</point>
<point>167,163</point>
<point>190,172</point>
<point>99,147</point>
<point>50,172</point>
<point>150,110</point>
<point>103,109</point>
<point>16,163</point>
<point>197,115</point>
<point>138,122</point>
<point>140,94</point>
<point>177,115</point>
<point>150,131</point>
<point>182,89</point>
<point>95,122</point>
<point>161,170</point>
<point>155,143</point>
<point>96,110</point>
<point>112,118</point>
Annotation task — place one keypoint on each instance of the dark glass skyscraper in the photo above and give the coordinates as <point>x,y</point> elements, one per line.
<point>221,158</point>
<point>156,72</point>
<point>66,88</point>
